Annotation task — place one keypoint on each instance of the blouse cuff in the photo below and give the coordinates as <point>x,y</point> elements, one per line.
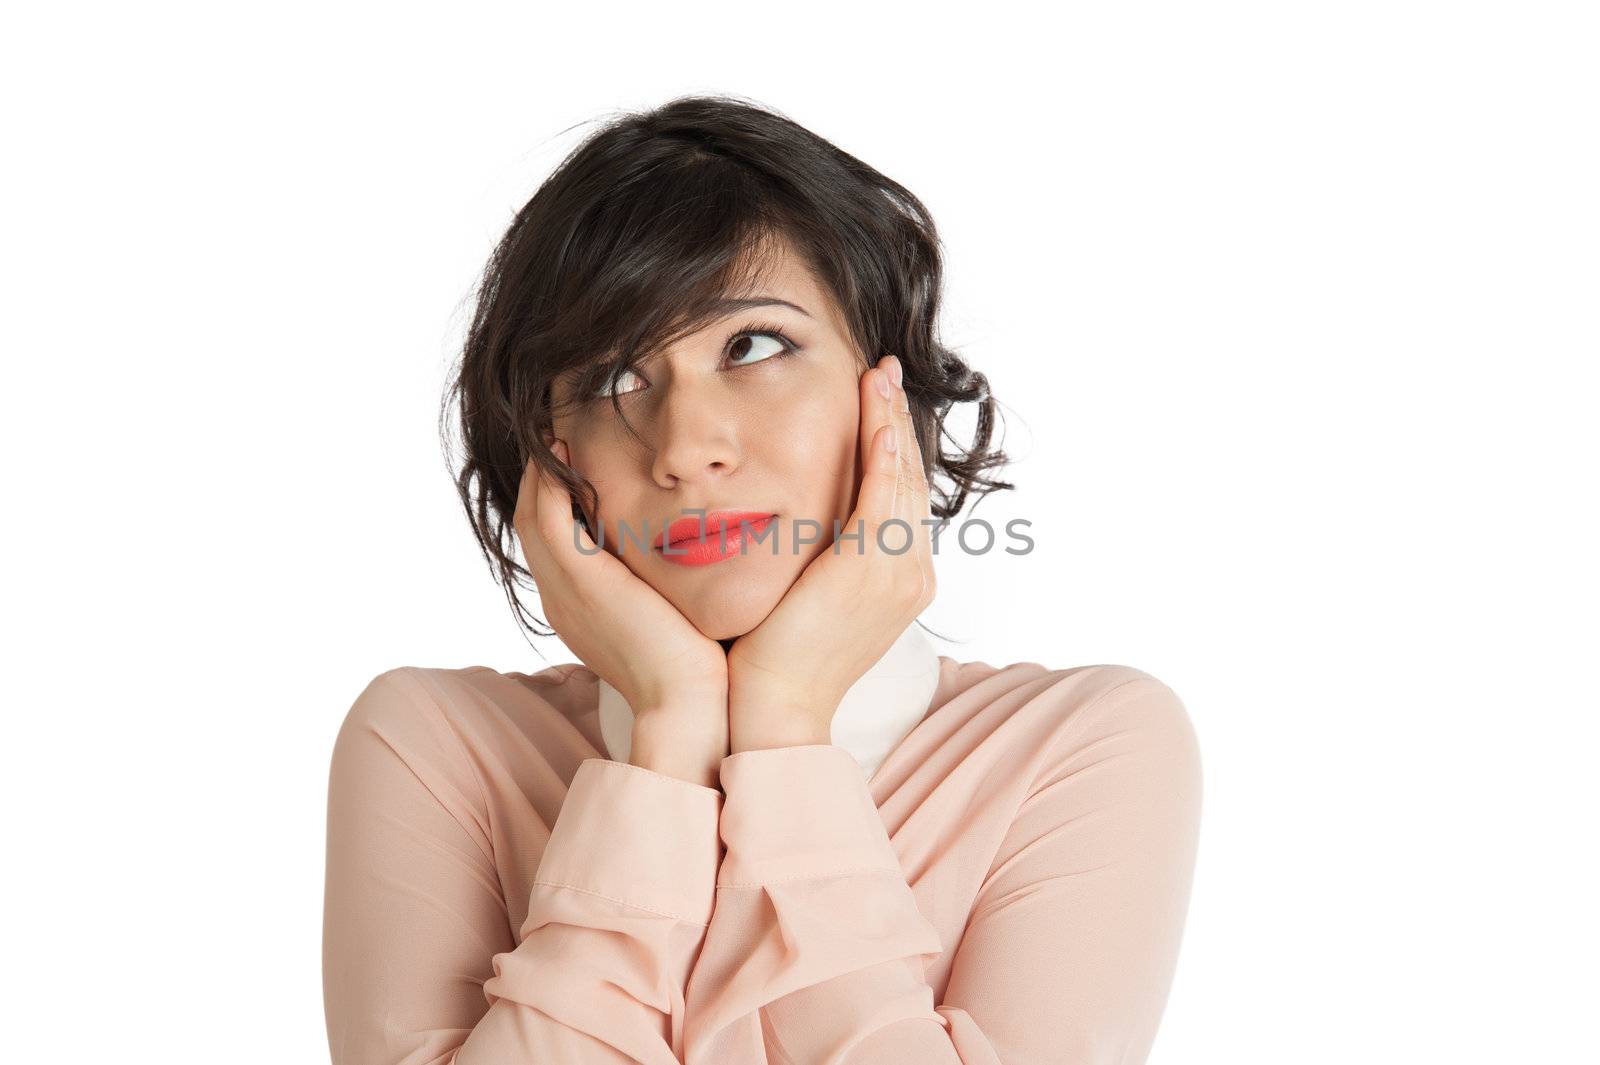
<point>639,837</point>
<point>801,811</point>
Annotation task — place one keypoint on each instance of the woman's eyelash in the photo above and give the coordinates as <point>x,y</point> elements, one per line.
<point>765,329</point>
<point>752,329</point>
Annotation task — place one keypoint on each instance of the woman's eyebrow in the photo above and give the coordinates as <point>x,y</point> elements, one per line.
<point>728,305</point>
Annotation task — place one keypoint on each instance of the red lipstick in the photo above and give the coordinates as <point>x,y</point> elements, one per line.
<point>724,535</point>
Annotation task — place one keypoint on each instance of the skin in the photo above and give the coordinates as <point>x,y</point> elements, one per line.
<point>734,427</point>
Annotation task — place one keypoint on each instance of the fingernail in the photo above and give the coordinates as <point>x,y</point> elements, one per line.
<point>890,444</point>
<point>894,372</point>
<point>883,385</point>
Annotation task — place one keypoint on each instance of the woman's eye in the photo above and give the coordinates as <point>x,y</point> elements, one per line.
<point>602,391</point>
<point>740,351</point>
<point>750,346</point>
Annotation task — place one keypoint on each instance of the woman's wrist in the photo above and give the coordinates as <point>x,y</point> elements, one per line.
<point>795,730</point>
<point>759,719</point>
<point>677,743</point>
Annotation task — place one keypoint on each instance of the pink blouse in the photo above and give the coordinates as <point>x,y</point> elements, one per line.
<point>1009,885</point>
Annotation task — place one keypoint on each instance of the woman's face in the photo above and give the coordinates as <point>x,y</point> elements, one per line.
<point>737,420</point>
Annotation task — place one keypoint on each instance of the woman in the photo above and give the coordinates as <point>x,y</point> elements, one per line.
<point>763,820</point>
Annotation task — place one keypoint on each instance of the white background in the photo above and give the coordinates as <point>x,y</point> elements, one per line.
<point>1292,309</point>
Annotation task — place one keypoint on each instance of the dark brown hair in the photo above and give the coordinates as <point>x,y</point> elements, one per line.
<point>632,241</point>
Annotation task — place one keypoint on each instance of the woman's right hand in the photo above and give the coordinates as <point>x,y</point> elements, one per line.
<point>674,677</point>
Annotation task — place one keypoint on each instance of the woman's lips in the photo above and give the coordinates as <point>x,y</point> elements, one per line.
<point>724,535</point>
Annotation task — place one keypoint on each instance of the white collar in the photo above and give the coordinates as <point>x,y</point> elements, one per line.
<point>878,711</point>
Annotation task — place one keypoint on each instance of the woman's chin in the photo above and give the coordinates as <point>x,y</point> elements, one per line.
<point>726,624</point>
<point>724,610</point>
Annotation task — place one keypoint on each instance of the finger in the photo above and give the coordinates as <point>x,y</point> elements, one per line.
<point>880,482</point>
<point>912,490</point>
<point>891,408</point>
<point>900,417</point>
<point>524,519</point>
<point>915,480</point>
<point>911,504</point>
<point>875,414</point>
<point>544,513</point>
<point>563,532</point>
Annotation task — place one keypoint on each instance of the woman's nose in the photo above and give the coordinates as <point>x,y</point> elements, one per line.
<point>696,436</point>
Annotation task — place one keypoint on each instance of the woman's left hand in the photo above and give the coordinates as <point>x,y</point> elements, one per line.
<point>787,676</point>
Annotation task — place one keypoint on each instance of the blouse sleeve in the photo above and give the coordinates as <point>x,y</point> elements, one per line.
<point>419,962</point>
<point>816,949</point>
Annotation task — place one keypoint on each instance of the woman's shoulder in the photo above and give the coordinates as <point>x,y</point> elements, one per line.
<point>469,699</point>
<point>459,681</point>
<point>1123,727</point>
<point>1111,710</point>
<point>1068,701</point>
<point>1079,685</point>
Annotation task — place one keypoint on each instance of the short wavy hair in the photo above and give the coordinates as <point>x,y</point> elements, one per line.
<point>632,242</point>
